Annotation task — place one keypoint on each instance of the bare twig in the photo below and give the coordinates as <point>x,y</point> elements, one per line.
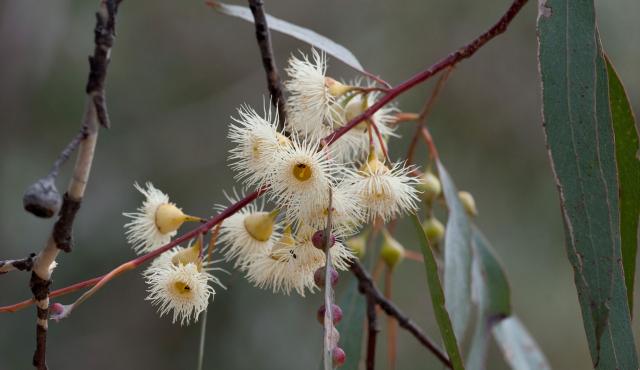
<point>95,113</point>
<point>446,62</point>
<point>67,151</point>
<point>24,264</point>
<point>263,35</point>
<point>422,118</point>
<point>368,288</point>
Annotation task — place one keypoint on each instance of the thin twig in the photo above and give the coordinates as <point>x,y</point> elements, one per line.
<point>369,289</point>
<point>67,151</point>
<point>448,61</point>
<point>422,118</point>
<point>24,264</point>
<point>95,113</point>
<point>372,330</point>
<point>263,35</point>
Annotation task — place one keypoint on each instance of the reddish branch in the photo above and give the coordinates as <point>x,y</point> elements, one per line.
<point>449,61</point>
<point>263,35</point>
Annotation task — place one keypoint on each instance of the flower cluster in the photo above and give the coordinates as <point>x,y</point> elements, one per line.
<point>306,179</point>
<point>306,182</point>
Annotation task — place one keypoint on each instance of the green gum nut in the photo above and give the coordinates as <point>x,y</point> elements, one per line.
<point>429,186</point>
<point>392,252</point>
<point>433,229</point>
<point>468,203</point>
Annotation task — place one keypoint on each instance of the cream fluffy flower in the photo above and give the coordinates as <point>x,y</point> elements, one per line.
<point>247,234</point>
<point>183,289</point>
<point>155,222</point>
<point>310,104</point>
<point>280,269</point>
<point>346,213</point>
<point>256,144</point>
<point>384,192</point>
<point>302,176</point>
<point>291,264</point>
<point>382,119</point>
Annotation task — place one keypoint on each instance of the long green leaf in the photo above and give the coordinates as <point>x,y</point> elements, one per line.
<point>438,298</point>
<point>300,33</point>
<point>457,257</point>
<point>520,350</point>
<point>492,295</point>
<point>626,134</point>
<point>577,122</point>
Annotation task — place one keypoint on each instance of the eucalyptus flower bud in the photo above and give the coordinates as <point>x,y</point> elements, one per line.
<point>468,203</point>
<point>338,356</point>
<point>318,239</point>
<point>430,186</point>
<point>336,314</point>
<point>434,229</point>
<point>392,252</point>
<point>318,277</point>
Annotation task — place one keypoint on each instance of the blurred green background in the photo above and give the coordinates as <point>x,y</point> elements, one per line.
<point>178,72</point>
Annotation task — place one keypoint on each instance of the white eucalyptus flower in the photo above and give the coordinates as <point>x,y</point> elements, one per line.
<point>280,269</point>
<point>155,222</point>
<point>247,234</point>
<point>384,192</point>
<point>256,143</point>
<point>183,289</point>
<point>346,212</point>
<point>302,176</point>
<point>311,106</point>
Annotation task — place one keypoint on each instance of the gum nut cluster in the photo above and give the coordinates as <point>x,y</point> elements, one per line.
<point>305,180</point>
<point>179,281</point>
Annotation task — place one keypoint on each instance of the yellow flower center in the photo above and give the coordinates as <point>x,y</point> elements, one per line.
<point>301,172</point>
<point>182,288</point>
<point>255,149</point>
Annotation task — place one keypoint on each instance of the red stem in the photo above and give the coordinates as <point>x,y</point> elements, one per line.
<point>449,61</point>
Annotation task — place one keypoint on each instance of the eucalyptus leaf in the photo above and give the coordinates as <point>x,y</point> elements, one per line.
<point>492,295</point>
<point>457,257</point>
<point>300,33</point>
<point>438,298</point>
<point>580,138</point>
<point>518,347</point>
<point>627,148</point>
